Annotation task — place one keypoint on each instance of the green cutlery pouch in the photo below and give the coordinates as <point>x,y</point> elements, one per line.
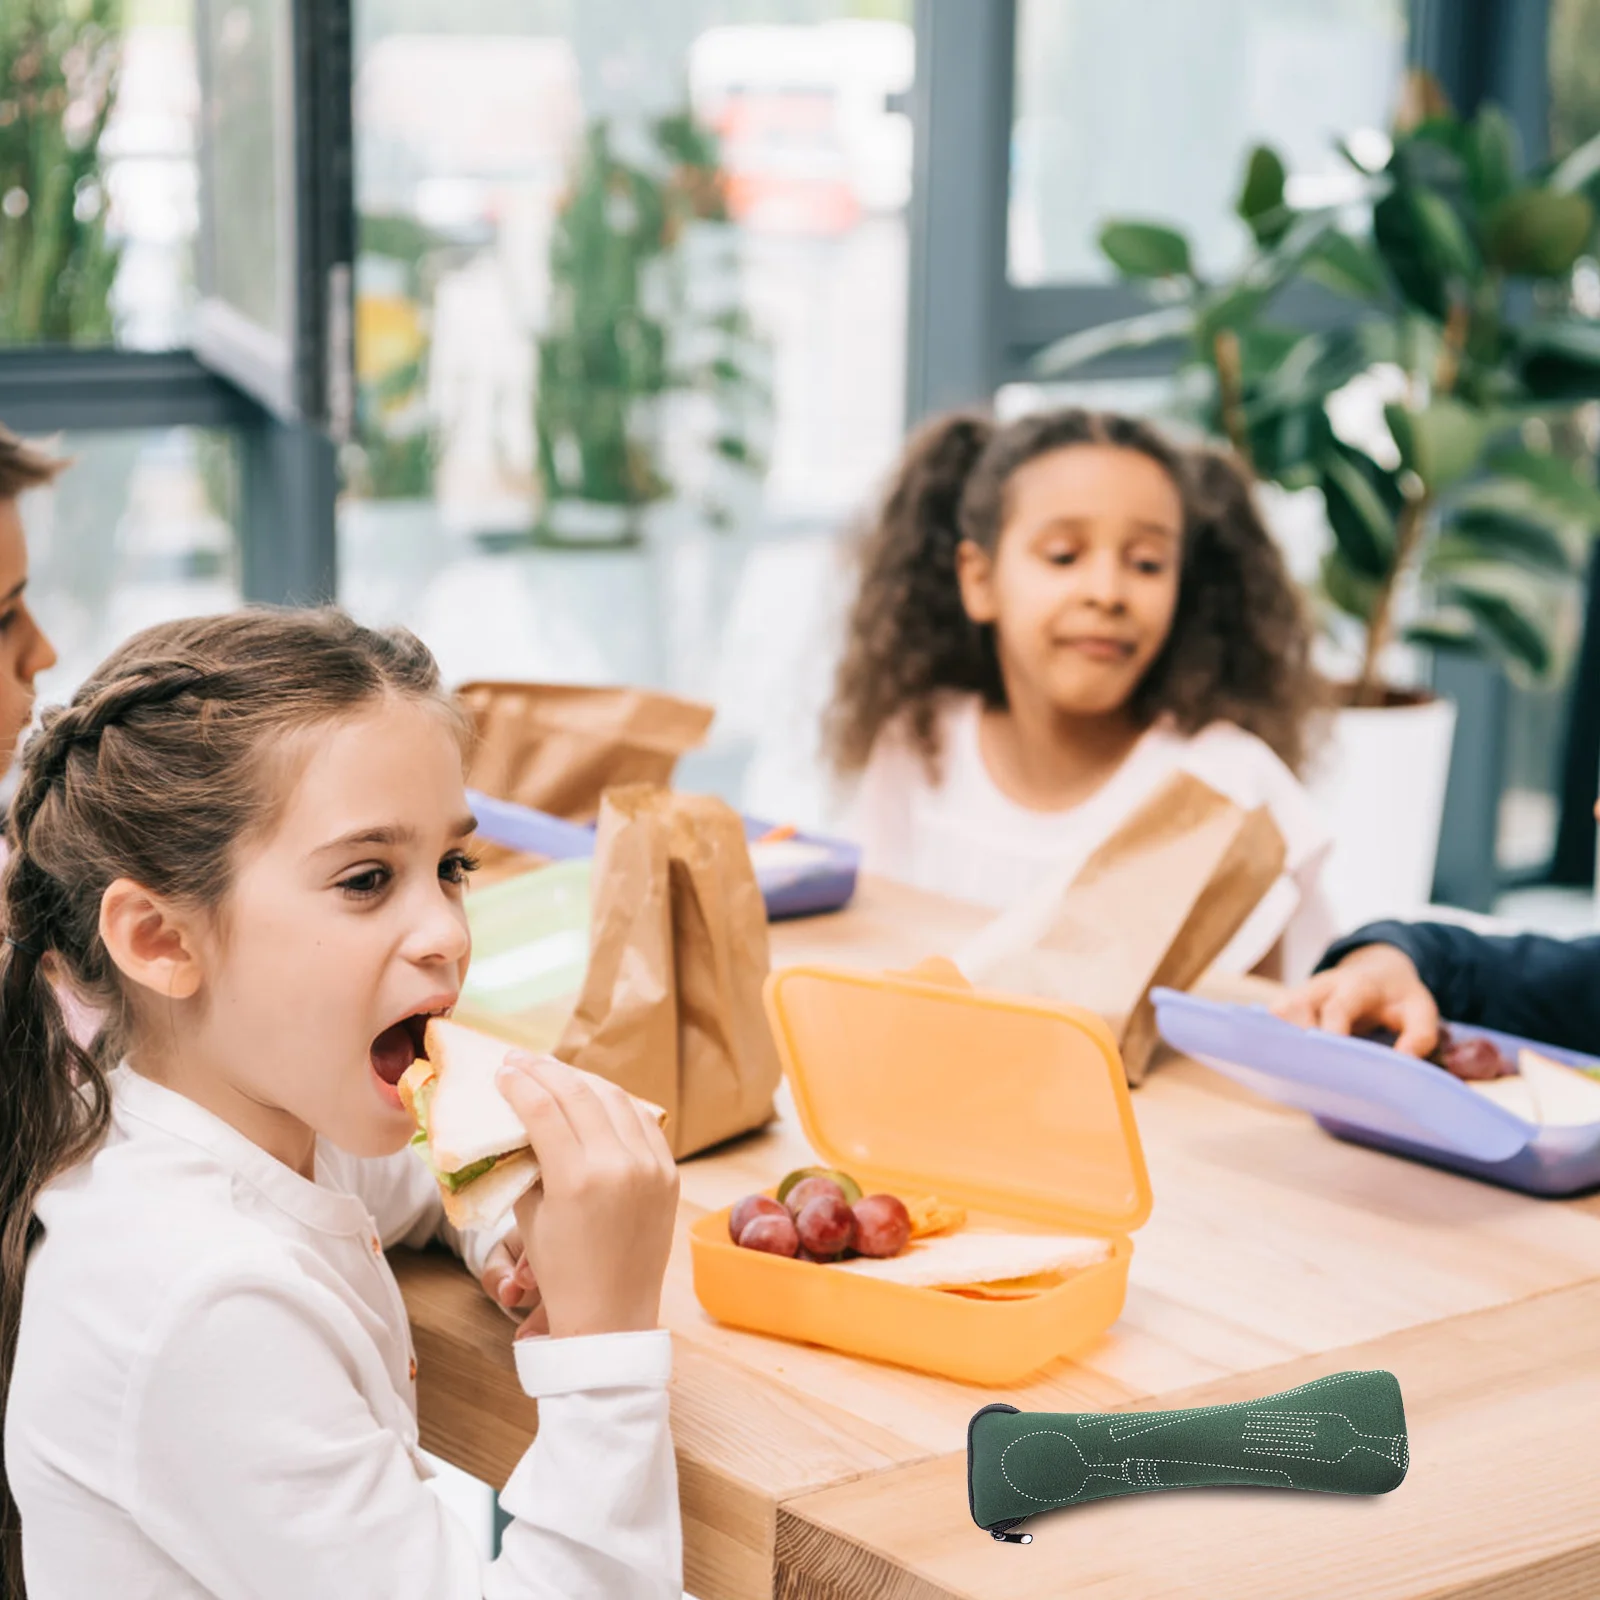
<point>1341,1435</point>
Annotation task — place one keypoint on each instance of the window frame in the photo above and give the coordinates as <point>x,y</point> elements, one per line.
<point>288,452</point>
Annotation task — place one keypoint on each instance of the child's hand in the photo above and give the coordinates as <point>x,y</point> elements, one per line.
<point>1376,986</point>
<point>508,1280</point>
<point>598,1229</point>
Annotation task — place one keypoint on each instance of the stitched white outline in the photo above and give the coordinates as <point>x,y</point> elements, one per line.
<point>1275,1433</point>
<point>1124,1475</point>
<point>1118,1422</point>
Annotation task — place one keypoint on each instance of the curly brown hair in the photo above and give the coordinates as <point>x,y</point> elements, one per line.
<point>1240,645</point>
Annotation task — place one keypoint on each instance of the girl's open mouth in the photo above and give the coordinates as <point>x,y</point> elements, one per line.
<point>400,1044</point>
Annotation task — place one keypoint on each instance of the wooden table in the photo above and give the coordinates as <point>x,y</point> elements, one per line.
<point>1275,1255</point>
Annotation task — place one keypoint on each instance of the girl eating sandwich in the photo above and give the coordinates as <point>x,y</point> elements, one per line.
<point>243,843</point>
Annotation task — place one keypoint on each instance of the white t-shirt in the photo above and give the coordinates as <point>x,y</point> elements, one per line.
<point>214,1393</point>
<point>963,837</point>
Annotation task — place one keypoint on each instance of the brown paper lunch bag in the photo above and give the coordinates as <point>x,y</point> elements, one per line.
<point>671,1005</point>
<point>558,747</point>
<point>1153,907</point>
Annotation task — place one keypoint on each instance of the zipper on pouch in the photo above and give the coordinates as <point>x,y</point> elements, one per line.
<point>1000,1531</point>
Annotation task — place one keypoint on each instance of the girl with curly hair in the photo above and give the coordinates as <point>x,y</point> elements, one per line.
<point>1055,615</point>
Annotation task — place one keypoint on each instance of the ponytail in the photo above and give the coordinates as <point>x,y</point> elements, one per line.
<point>53,1112</point>
<point>909,632</point>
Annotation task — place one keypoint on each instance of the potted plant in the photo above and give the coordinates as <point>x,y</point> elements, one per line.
<point>1460,516</point>
<point>629,333</point>
<point>58,78</point>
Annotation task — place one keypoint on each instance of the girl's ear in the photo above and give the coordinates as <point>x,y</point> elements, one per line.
<point>975,574</point>
<point>149,941</point>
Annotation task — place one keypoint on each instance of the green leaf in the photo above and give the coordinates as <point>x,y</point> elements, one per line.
<point>1559,358</point>
<point>1435,150</point>
<point>1261,202</point>
<point>1263,348</point>
<point>1576,173</point>
<point>1555,480</point>
<point>1349,267</point>
<point>1288,446</point>
<point>1363,525</point>
<point>1425,246</point>
<point>1150,328</point>
<point>1234,305</point>
<point>1356,596</point>
<point>1442,443</point>
<point>1448,234</point>
<point>1508,626</point>
<point>1537,234</point>
<point>1485,535</point>
<point>1493,156</point>
<point>1320,363</point>
<point>1146,250</point>
<point>1457,634</point>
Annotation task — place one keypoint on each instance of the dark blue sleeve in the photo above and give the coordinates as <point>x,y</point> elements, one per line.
<point>1540,988</point>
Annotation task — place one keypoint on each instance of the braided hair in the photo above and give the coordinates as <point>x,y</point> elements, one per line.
<point>165,761</point>
<point>1239,647</point>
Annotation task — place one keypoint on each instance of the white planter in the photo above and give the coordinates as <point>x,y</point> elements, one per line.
<point>1379,783</point>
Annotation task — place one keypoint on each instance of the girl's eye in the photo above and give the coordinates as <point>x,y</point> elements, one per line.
<point>1150,567</point>
<point>457,867</point>
<point>1060,555</point>
<point>7,619</point>
<point>365,884</point>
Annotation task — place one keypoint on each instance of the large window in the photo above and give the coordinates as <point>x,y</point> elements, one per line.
<point>140,529</point>
<point>188,491</point>
<point>630,313</point>
<point>1146,108</point>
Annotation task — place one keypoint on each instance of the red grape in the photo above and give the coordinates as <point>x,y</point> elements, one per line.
<point>748,1209</point>
<point>1474,1058</point>
<point>883,1225</point>
<point>774,1234</point>
<point>809,1189</point>
<point>827,1226</point>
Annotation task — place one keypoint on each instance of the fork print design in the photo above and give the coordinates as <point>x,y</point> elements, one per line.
<point>1326,1436</point>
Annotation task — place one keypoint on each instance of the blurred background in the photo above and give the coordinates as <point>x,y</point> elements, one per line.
<point>579,337</point>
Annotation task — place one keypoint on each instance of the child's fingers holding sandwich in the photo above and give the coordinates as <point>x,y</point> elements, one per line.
<point>577,1097</point>
<point>599,1230</point>
<point>543,1112</point>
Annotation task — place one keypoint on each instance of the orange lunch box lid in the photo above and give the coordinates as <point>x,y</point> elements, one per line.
<point>918,1084</point>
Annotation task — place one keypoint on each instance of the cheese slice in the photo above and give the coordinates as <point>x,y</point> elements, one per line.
<point>955,1259</point>
<point>1547,1093</point>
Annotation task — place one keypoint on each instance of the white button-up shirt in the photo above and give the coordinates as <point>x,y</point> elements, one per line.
<point>214,1393</point>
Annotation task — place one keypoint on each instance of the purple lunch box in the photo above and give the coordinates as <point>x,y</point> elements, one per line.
<point>827,884</point>
<point>1372,1095</point>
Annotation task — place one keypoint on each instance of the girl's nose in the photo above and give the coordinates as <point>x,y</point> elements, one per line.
<point>442,935</point>
<point>1103,581</point>
<point>39,655</point>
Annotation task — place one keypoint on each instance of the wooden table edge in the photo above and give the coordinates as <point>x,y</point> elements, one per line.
<point>814,1560</point>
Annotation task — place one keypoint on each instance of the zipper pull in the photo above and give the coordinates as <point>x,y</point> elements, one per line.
<point>1011,1538</point>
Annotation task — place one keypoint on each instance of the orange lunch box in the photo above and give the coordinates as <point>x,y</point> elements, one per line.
<point>917,1084</point>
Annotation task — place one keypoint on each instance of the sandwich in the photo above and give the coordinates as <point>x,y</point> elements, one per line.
<point>970,1258</point>
<point>467,1133</point>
